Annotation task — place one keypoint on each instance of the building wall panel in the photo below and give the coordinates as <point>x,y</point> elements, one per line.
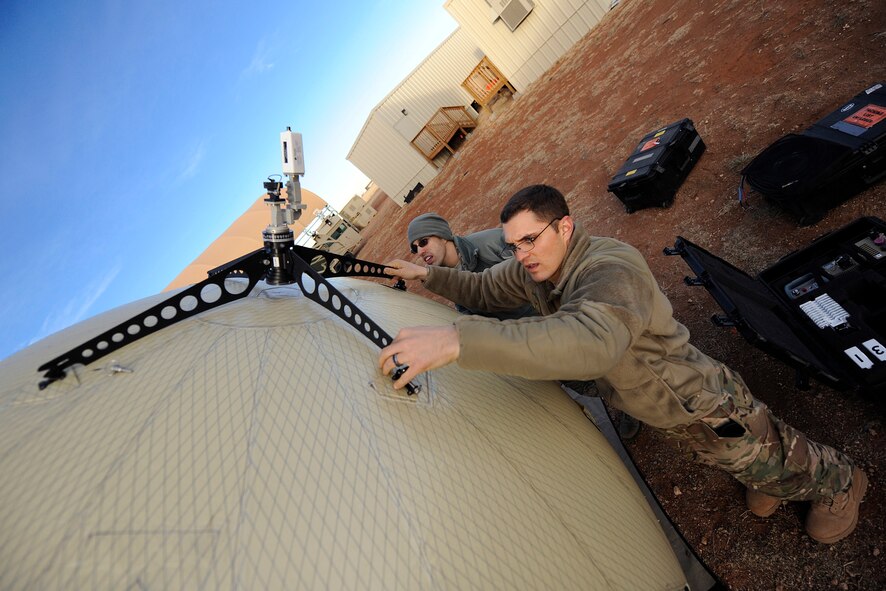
<point>385,157</point>
<point>383,151</point>
<point>548,31</point>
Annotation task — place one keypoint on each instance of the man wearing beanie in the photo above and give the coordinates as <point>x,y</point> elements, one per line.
<point>431,238</point>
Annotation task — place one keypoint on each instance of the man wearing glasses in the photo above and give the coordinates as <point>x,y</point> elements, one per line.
<point>605,318</point>
<point>432,240</point>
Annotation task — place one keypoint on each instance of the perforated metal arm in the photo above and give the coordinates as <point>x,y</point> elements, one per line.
<point>316,288</point>
<point>213,292</point>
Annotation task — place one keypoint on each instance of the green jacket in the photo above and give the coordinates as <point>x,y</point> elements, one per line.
<point>476,253</point>
<point>606,319</point>
<point>480,250</point>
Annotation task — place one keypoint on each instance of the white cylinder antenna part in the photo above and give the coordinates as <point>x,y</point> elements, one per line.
<point>292,153</point>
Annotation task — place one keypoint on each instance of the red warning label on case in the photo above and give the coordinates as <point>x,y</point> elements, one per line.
<point>867,116</point>
<point>650,144</point>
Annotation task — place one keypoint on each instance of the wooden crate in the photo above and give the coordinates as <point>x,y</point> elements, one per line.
<point>438,132</point>
<point>485,81</point>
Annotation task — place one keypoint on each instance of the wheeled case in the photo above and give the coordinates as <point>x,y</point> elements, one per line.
<point>821,309</point>
<point>658,166</point>
<point>808,174</point>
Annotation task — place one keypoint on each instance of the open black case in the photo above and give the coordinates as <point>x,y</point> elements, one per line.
<point>821,309</point>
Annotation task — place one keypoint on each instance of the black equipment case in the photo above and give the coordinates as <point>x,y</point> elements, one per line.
<point>821,309</point>
<point>658,166</point>
<point>836,158</point>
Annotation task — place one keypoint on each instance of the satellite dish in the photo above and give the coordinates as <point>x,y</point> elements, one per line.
<point>239,434</point>
<point>257,445</point>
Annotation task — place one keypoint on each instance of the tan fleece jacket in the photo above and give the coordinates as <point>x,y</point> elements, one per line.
<point>606,319</point>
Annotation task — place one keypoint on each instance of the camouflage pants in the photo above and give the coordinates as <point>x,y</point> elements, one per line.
<point>744,438</point>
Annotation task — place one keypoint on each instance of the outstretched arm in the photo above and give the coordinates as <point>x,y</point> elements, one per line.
<point>422,348</point>
<point>406,270</point>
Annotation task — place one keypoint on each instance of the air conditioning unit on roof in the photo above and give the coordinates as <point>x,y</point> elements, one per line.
<point>512,12</point>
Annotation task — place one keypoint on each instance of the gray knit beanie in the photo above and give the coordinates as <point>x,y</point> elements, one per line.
<point>428,224</point>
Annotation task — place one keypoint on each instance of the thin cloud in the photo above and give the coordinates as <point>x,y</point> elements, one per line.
<point>78,306</point>
<point>261,61</point>
<point>192,164</point>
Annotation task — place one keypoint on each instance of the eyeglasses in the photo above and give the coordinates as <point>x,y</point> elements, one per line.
<point>422,242</point>
<point>526,244</point>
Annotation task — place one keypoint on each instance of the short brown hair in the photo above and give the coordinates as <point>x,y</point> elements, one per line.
<point>544,201</point>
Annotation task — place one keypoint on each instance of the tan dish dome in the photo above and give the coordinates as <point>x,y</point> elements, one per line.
<point>258,446</point>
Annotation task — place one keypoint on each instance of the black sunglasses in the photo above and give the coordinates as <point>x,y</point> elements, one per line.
<point>422,242</point>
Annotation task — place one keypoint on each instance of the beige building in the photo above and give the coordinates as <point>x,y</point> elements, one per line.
<point>384,151</point>
<point>329,231</point>
<point>358,212</point>
<point>523,38</point>
<point>499,48</point>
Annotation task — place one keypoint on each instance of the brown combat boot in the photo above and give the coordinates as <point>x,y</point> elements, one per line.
<point>831,521</point>
<point>761,504</point>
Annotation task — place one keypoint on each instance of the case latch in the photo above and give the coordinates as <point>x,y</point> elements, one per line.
<point>723,321</point>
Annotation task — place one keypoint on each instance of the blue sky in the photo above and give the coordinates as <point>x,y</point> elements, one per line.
<point>134,132</point>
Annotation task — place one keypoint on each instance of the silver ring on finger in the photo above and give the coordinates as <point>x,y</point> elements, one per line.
<point>396,362</point>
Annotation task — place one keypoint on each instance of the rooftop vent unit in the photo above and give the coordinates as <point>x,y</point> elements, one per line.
<point>513,12</point>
